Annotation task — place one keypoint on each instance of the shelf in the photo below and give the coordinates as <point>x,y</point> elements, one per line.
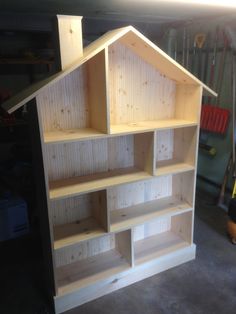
<point>125,218</point>
<point>78,185</point>
<point>156,246</point>
<point>172,166</point>
<point>72,233</point>
<point>146,126</point>
<point>83,273</point>
<point>70,135</point>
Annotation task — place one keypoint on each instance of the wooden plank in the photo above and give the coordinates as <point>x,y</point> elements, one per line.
<point>181,225</point>
<point>124,218</point>
<point>156,246</point>
<point>172,166</point>
<point>71,135</point>
<point>147,126</point>
<point>125,278</point>
<point>70,39</point>
<point>73,233</point>
<point>144,152</point>
<point>188,98</point>
<point>78,185</point>
<point>97,96</point>
<point>40,175</point>
<point>176,146</point>
<point>124,245</point>
<point>138,91</point>
<point>64,105</point>
<point>147,50</point>
<point>90,271</point>
<point>183,186</point>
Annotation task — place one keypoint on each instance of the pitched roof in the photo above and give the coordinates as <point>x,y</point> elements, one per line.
<point>133,39</point>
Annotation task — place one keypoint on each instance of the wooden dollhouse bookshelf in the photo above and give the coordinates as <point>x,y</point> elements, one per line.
<point>119,137</point>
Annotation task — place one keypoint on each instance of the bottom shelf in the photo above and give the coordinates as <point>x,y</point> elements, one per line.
<point>156,246</point>
<point>80,274</point>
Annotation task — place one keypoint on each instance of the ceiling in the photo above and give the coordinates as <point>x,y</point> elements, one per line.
<point>152,11</point>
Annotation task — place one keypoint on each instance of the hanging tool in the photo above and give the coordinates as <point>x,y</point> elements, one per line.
<point>231,227</point>
<point>199,41</point>
<point>214,118</point>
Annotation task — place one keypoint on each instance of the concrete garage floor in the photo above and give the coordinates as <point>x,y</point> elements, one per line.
<point>206,285</point>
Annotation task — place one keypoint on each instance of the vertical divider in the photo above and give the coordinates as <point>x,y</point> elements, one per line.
<point>99,207</point>
<point>144,152</point>
<point>124,245</point>
<point>132,248</point>
<point>98,97</point>
<point>155,153</point>
<point>108,211</point>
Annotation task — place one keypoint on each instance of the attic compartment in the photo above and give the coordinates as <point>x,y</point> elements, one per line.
<point>144,98</point>
<point>75,106</point>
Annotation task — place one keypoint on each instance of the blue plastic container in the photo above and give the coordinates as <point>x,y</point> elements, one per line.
<point>13,218</point>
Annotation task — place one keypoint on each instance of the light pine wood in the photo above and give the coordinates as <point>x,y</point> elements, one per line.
<point>70,39</point>
<point>182,226</point>
<point>124,245</point>
<point>188,99</point>
<point>88,272</point>
<point>119,280</point>
<point>92,208</point>
<point>78,185</point>
<point>124,218</point>
<point>175,150</point>
<point>147,126</point>
<point>97,78</point>
<point>73,233</point>
<point>138,92</point>
<point>105,41</point>
<point>156,246</point>
<point>85,249</point>
<point>119,135</point>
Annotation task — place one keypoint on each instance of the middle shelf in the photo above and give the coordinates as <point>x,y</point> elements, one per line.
<point>85,166</point>
<point>119,208</point>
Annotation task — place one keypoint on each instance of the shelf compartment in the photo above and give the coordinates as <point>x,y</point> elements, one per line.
<point>95,266</point>
<point>75,107</point>
<point>79,219</point>
<point>124,218</point>
<point>175,150</point>
<point>78,185</point>
<point>102,163</point>
<point>135,203</point>
<point>162,237</point>
<point>153,100</point>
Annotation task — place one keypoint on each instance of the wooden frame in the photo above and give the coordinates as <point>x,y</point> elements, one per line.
<point>118,138</point>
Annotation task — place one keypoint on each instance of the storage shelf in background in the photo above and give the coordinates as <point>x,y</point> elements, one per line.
<point>156,246</point>
<point>71,135</point>
<point>125,218</point>
<point>172,166</point>
<point>145,126</point>
<point>89,271</point>
<point>77,185</point>
<point>72,233</point>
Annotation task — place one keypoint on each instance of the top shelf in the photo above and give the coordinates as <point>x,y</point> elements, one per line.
<point>146,126</point>
<point>73,135</point>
